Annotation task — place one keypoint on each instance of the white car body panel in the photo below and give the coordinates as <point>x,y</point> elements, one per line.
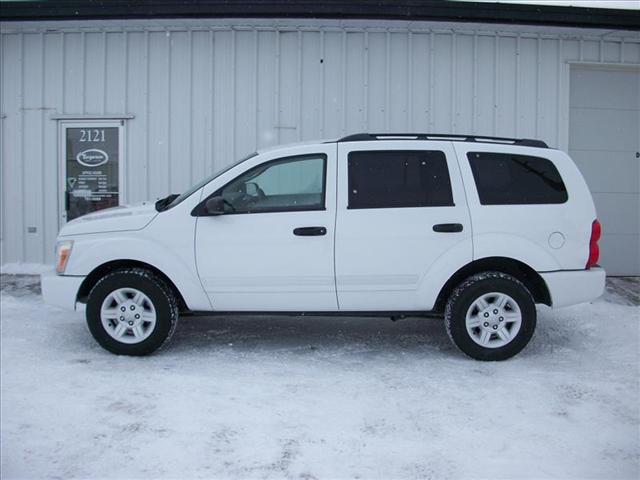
<point>254,261</point>
<point>382,259</point>
<point>384,256</point>
<point>523,232</point>
<point>574,286</point>
<point>60,290</point>
<point>166,243</point>
<point>117,219</point>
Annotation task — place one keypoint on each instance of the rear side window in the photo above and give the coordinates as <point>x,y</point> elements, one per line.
<point>395,179</point>
<point>508,179</point>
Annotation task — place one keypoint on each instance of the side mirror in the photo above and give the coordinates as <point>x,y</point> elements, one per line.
<point>215,206</point>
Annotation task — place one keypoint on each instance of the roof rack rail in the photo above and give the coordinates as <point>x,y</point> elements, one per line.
<point>523,142</point>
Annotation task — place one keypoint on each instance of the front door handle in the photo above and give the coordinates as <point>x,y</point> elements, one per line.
<point>448,227</point>
<point>309,231</point>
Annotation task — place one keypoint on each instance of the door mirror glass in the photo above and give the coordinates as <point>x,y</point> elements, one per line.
<point>215,206</point>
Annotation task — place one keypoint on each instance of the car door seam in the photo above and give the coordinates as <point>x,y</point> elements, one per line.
<point>466,199</point>
<point>335,222</point>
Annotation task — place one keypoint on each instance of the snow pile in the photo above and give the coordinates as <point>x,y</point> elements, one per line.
<point>319,398</point>
<point>25,268</point>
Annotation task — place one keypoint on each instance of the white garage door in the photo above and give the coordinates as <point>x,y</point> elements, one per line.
<point>604,140</point>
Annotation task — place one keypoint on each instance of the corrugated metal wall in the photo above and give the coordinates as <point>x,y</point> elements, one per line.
<point>205,93</point>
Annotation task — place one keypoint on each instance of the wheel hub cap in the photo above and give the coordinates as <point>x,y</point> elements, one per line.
<point>128,315</point>
<point>493,320</point>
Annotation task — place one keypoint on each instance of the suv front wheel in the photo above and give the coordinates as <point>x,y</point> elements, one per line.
<point>490,316</point>
<point>131,312</point>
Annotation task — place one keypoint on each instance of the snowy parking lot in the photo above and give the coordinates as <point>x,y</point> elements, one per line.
<point>316,398</point>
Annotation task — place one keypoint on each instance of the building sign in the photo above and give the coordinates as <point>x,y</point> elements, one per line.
<point>92,169</point>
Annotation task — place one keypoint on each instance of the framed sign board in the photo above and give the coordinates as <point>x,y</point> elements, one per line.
<point>91,166</point>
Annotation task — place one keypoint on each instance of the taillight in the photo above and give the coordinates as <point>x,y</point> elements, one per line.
<point>594,250</point>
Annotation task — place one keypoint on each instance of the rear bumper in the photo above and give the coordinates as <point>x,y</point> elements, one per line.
<point>574,286</point>
<point>60,290</point>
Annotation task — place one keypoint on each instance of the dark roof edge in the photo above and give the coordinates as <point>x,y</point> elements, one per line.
<point>416,10</point>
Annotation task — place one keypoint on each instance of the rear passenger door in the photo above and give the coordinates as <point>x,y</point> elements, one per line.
<point>401,209</point>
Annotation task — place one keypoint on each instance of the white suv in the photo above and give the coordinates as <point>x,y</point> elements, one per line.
<point>477,230</point>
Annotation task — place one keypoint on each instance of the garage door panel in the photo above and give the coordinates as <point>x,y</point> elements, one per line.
<point>604,136</point>
<point>615,130</point>
<point>623,170</point>
<point>619,213</point>
<point>620,254</point>
<point>616,89</point>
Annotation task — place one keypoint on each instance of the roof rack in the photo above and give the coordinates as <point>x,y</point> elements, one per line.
<point>364,137</point>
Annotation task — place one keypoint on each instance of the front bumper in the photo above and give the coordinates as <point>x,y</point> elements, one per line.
<point>574,286</point>
<point>60,290</point>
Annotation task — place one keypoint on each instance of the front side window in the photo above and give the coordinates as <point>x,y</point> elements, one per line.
<point>510,179</point>
<point>287,184</point>
<point>398,178</point>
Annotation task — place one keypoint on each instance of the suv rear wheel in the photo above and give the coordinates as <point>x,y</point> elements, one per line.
<point>490,316</point>
<point>131,312</point>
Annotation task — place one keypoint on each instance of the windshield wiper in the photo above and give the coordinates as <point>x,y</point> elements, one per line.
<point>163,203</point>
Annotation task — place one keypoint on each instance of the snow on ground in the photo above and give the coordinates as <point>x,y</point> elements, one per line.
<point>319,398</point>
<point>24,268</point>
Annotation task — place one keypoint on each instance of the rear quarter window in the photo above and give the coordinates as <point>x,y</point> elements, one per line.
<point>511,179</point>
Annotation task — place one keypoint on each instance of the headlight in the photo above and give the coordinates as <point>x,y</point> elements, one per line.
<point>63,252</point>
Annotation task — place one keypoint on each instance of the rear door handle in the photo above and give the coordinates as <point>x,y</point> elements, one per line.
<point>309,231</point>
<point>448,227</point>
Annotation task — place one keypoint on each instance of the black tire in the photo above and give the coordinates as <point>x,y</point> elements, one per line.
<point>464,296</point>
<point>162,297</point>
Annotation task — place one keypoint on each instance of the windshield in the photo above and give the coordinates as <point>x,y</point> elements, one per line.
<point>190,191</point>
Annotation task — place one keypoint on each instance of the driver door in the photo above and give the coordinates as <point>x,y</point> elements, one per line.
<point>272,248</point>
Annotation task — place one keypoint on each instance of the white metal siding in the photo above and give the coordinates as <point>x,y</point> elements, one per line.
<point>204,93</point>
